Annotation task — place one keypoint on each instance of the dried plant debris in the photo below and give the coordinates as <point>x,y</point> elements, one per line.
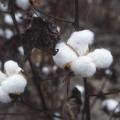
<point>42,34</point>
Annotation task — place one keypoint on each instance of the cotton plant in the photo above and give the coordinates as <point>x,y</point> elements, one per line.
<point>12,81</point>
<point>76,56</point>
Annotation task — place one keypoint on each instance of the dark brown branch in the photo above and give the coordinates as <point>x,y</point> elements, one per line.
<point>76,21</point>
<point>87,100</point>
<point>103,94</point>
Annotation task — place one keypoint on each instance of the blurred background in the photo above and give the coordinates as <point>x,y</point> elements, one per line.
<point>100,16</point>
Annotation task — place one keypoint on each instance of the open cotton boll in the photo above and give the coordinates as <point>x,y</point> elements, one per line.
<point>14,84</point>
<point>8,19</point>
<point>18,17</point>
<point>11,67</point>
<point>24,4</point>
<point>110,105</point>
<point>4,97</point>
<point>101,57</point>
<point>8,33</point>
<point>64,55</point>
<point>2,76</point>
<point>80,88</point>
<point>3,7</point>
<point>83,67</point>
<point>80,40</point>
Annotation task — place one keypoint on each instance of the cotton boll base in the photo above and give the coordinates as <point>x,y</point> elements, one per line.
<point>4,97</point>
<point>101,57</point>
<point>83,67</point>
<point>14,84</point>
<point>64,55</point>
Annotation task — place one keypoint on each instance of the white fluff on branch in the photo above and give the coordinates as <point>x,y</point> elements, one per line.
<point>11,67</point>
<point>14,84</point>
<point>4,97</point>
<point>23,4</point>
<point>64,55</point>
<point>101,57</point>
<point>83,67</point>
<point>80,40</point>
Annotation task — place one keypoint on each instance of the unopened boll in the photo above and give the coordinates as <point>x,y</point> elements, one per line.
<point>101,57</point>
<point>81,40</point>
<point>83,67</point>
<point>64,55</point>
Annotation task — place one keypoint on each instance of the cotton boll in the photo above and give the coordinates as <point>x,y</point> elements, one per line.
<point>46,70</point>
<point>24,4</point>
<point>83,67</point>
<point>2,76</point>
<point>8,19</point>
<point>11,67</point>
<point>18,17</point>
<point>14,84</point>
<point>101,57</point>
<point>3,7</point>
<point>80,88</point>
<point>110,105</point>
<point>64,55</point>
<point>80,40</point>
<point>8,33</point>
<point>4,97</point>
<point>21,50</point>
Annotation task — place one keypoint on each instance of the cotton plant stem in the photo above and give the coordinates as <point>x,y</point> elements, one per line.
<point>87,100</point>
<point>36,81</point>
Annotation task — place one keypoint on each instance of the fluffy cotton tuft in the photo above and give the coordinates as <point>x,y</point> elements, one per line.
<point>14,84</point>
<point>8,19</point>
<point>101,57</point>
<point>64,55</point>
<point>4,97</point>
<point>2,76</point>
<point>8,33</point>
<point>80,40</point>
<point>110,105</point>
<point>80,88</point>
<point>11,67</point>
<point>24,4</point>
<point>83,67</point>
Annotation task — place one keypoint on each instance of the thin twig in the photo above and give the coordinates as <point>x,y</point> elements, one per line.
<point>111,116</point>
<point>103,94</point>
<point>87,100</point>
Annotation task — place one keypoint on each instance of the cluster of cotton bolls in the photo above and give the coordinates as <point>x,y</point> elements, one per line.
<point>76,56</point>
<point>12,82</point>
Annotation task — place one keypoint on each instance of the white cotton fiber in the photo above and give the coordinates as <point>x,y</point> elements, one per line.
<point>101,57</point>
<point>80,40</point>
<point>24,4</point>
<point>2,76</point>
<point>4,97</point>
<point>64,55</point>
<point>14,84</point>
<point>83,67</point>
<point>11,67</point>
